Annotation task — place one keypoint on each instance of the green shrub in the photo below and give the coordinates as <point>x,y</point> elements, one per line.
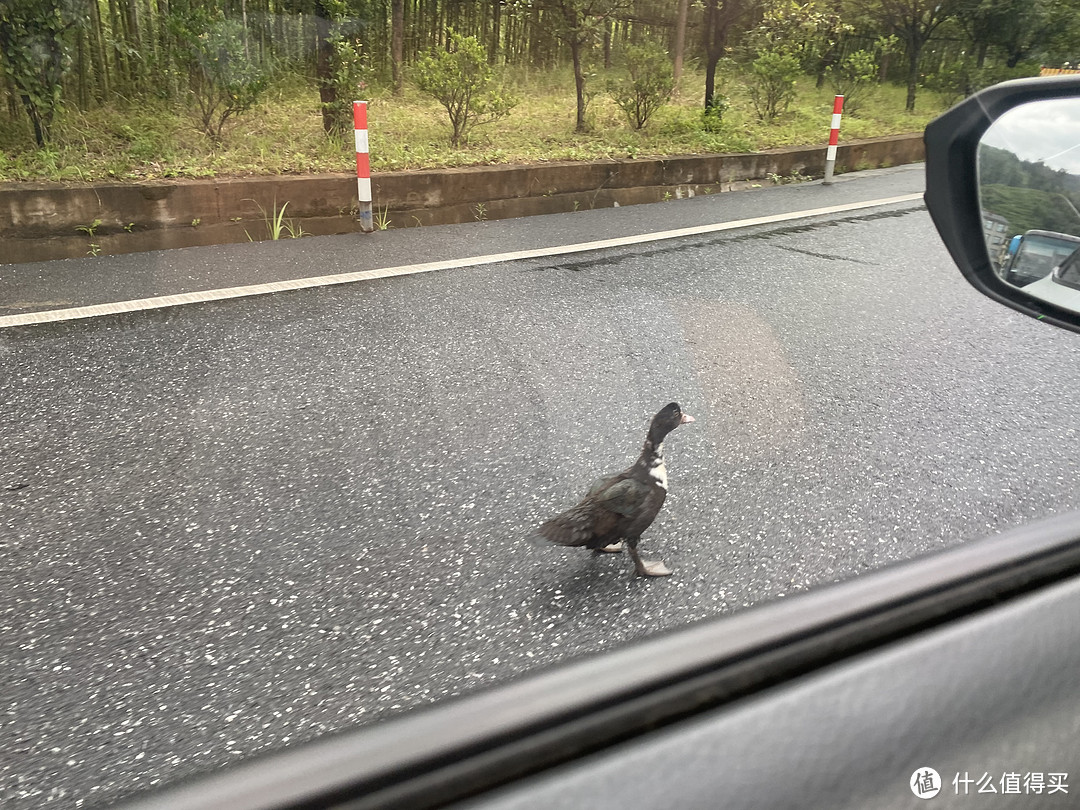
<point>712,117</point>
<point>647,85</point>
<point>854,78</point>
<point>349,70</point>
<point>463,82</point>
<point>772,83</point>
<point>224,81</point>
<point>953,82</point>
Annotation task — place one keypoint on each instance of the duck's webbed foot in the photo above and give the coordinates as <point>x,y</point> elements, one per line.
<point>647,568</point>
<point>614,548</point>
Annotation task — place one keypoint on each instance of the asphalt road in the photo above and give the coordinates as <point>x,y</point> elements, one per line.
<point>231,527</point>
<point>65,283</point>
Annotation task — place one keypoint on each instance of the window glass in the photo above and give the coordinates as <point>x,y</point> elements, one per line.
<point>267,474</point>
<point>1069,273</point>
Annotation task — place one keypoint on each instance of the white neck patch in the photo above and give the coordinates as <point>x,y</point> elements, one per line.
<point>657,468</point>
<point>659,474</point>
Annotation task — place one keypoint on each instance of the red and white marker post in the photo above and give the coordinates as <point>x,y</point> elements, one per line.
<point>363,166</point>
<point>834,139</point>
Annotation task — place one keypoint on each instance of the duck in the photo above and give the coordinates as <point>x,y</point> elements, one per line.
<point>617,509</point>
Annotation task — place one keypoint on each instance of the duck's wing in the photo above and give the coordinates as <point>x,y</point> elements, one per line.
<point>623,496</point>
<point>598,515</point>
<point>600,483</point>
<point>611,505</point>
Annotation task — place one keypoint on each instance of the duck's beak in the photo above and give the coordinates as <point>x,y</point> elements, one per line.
<point>686,418</point>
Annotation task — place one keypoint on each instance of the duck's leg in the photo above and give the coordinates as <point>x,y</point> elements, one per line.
<point>646,568</point>
<point>614,548</point>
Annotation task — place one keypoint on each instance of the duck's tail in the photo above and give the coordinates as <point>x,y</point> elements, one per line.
<point>573,527</point>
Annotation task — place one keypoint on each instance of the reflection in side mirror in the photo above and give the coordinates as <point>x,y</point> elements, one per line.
<point>1029,190</point>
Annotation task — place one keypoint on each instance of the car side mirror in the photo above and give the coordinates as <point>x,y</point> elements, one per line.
<point>1003,190</point>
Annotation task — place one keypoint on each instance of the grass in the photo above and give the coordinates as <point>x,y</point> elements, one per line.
<point>276,224</point>
<point>283,134</point>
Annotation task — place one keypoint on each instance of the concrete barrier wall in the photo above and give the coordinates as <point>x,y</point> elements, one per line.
<point>41,220</point>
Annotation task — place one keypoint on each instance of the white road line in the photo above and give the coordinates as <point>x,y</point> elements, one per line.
<point>203,296</point>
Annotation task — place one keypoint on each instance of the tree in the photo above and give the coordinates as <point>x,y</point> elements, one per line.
<point>981,20</point>
<point>1018,30</point>
<point>1028,28</point>
<point>914,22</point>
<point>720,16</point>
<point>34,41</point>
<point>465,84</point>
<point>578,23</point>
<point>809,31</point>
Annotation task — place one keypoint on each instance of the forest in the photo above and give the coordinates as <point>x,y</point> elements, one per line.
<point>139,86</point>
<point>1028,194</point>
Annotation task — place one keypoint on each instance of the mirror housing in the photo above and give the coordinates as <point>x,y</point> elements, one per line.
<point>952,187</point>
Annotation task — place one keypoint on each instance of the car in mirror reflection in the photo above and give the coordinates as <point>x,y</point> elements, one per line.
<point>1033,256</point>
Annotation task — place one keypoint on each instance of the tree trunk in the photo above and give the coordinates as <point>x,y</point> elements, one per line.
<point>496,31</point>
<point>710,80</point>
<point>99,55</point>
<point>715,30</point>
<point>118,55</point>
<point>579,84</point>
<point>397,45</point>
<point>41,127</point>
<point>134,40</point>
<point>82,74</point>
<point>914,50</point>
<point>243,22</point>
<point>323,70</point>
<point>680,39</point>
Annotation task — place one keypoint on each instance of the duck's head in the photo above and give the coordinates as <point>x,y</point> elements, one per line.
<point>669,418</point>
